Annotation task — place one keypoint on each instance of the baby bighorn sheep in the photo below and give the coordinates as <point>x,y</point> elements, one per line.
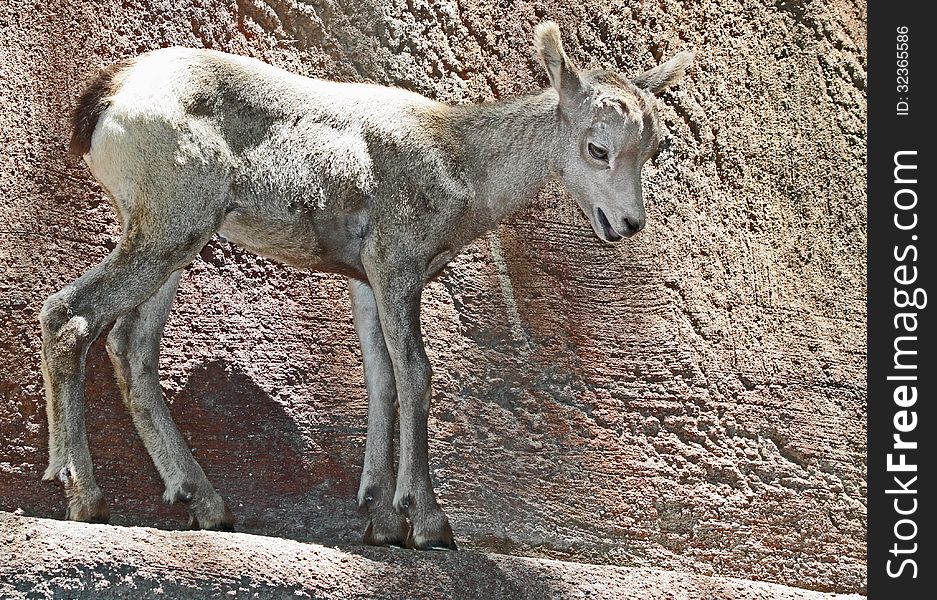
<point>379,184</point>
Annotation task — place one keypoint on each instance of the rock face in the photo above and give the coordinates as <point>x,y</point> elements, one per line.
<point>693,400</point>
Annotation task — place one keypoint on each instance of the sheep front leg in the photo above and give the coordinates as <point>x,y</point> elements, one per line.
<point>376,493</point>
<point>397,292</point>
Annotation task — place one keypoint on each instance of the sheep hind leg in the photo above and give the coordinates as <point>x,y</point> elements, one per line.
<point>133,345</point>
<point>164,228</point>
<point>71,320</point>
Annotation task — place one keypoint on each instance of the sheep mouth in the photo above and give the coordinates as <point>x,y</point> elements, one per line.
<point>608,231</point>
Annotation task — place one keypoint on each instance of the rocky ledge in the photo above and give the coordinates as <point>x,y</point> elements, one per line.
<point>42,558</point>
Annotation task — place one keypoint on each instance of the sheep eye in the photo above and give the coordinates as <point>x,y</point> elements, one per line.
<point>597,152</point>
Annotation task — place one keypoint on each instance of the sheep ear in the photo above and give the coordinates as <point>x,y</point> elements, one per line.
<point>665,75</point>
<point>563,74</point>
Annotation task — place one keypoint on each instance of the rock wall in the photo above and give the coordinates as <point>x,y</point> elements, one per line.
<point>693,400</point>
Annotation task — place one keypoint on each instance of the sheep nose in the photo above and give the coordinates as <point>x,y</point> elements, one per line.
<point>634,224</point>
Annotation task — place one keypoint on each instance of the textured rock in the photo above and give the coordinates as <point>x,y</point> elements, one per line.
<point>693,400</point>
<point>49,559</point>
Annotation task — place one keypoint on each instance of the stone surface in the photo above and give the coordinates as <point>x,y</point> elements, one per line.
<point>52,559</point>
<point>691,401</point>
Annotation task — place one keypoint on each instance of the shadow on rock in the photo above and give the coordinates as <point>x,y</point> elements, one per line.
<point>469,574</point>
<point>277,478</point>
